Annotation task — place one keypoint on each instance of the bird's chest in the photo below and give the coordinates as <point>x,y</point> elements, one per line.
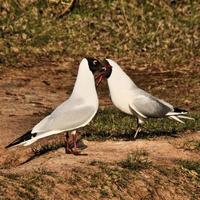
<point>121,99</point>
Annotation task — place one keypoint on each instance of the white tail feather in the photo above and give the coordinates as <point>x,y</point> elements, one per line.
<point>39,136</point>
<point>28,142</point>
<point>186,117</point>
<point>177,119</point>
<point>176,113</point>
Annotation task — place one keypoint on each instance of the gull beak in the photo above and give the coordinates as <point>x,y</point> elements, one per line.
<point>100,76</point>
<point>104,71</point>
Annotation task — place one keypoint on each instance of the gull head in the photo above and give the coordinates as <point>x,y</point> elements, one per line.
<point>96,68</point>
<point>106,68</point>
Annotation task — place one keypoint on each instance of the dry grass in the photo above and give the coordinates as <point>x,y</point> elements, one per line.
<point>144,33</point>
<point>106,180</point>
<point>136,161</point>
<point>153,37</point>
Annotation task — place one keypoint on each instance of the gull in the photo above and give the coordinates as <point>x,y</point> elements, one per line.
<point>130,99</point>
<point>74,113</point>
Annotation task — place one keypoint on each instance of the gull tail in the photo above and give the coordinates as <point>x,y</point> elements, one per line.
<point>177,114</point>
<point>177,119</point>
<point>181,111</point>
<point>23,139</point>
<point>186,117</point>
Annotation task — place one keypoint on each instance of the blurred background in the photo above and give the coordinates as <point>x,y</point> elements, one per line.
<point>156,42</point>
<point>158,34</point>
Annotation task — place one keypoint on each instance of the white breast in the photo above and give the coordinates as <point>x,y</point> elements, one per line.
<point>121,87</point>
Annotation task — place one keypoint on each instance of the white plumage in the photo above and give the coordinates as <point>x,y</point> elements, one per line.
<point>72,114</point>
<point>131,99</point>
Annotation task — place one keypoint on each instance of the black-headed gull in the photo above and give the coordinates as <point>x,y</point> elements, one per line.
<point>130,99</point>
<point>72,114</point>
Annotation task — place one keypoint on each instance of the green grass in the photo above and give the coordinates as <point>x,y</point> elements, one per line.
<point>28,185</point>
<point>10,161</point>
<point>132,177</point>
<point>142,32</point>
<point>105,179</point>
<point>136,161</point>
<point>111,123</point>
<point>190,165</point>
<point>192,145</point>
<point>44,148</point>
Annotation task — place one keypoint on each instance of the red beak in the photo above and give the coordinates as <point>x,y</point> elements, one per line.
<point>99,78</point>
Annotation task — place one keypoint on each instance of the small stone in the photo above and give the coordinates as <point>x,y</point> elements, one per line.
<point>14,49</point>
<point>24,36</point>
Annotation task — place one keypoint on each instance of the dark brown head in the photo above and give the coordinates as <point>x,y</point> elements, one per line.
<point>107,68</point>
<point>96,68</point>
<point>94,64</point>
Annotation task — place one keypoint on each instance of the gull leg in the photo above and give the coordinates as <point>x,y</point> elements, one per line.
<point>139,128</point>
<point>74,141</point>
<point>67,149</point>
<point>74,136</point>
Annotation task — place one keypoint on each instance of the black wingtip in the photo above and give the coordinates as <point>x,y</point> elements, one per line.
<point>180,110</point>
<point>23,138</point>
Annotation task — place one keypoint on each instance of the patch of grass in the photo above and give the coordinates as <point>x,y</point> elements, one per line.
<point>105,179</point>
<point>150,33</point>
<point>28,185</point>
<point>104,193</point>
<point>10,161</point>
<point>192,145</point>
<point>136,161</point>
<point>113,124</point>
<point>165,170</point>
<point>102,180</point>
<point>42,149</point>
<point>190,165</point>
<point>109,180</point>
<point>11,176</point>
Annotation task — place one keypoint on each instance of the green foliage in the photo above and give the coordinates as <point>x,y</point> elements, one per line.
<point>115,125</point>
<point>192,145</point>
<point>146,32</point>
<point>136,161</point>
<point>106,179</point>
<point>27,186</point>
<point>190,165</point>
<point>42,149</point>
<point>111,123</point>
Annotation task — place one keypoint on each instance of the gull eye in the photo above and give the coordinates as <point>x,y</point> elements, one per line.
<point>95,62</point>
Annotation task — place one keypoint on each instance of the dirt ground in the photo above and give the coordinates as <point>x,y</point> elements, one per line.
<point>28,94</point>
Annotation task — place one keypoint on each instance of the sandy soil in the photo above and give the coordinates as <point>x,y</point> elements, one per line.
<point>27,95</point>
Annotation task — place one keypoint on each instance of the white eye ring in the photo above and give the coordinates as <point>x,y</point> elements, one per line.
<point>95,62</point>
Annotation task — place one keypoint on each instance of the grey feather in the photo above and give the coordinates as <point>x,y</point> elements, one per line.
<point>148,105</point>
<point>68,116</point>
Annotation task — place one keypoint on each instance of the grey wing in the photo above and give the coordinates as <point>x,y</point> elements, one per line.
<point>69,119</point>
<point>149,106</point>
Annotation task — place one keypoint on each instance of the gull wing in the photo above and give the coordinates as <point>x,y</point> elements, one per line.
<point>149,106</point>
<point>67,116</point>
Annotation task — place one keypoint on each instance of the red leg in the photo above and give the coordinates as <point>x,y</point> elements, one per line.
<point>74,141</point>
<point>67,149</point>
<point>74,136</point>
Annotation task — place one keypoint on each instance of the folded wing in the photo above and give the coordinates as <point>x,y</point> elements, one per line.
<point>71,114</point>
<point>148,106</point>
